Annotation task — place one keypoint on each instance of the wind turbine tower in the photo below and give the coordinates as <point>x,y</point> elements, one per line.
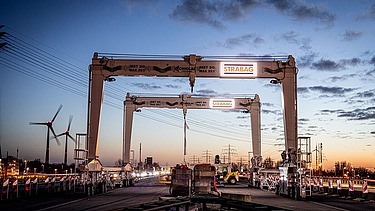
<point>49,128</point>
<point>67,135</point>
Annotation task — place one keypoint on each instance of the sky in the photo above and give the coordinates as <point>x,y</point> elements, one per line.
<point>50,44</point>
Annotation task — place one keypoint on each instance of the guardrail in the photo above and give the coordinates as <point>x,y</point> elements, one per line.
<point>350,187</point>
<point>13,188</point>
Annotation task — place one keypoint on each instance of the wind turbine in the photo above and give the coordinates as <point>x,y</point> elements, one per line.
<point>49,127</point>
<point>67,135</point>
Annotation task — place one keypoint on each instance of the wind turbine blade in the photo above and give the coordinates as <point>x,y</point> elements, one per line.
<point>37,123</point>
<point>59,135</point>
<point>70,121</point>
<point>72,138</point>
<point>57,140</point>
<point>58,110</point>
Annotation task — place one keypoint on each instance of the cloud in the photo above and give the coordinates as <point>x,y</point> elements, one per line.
<point>212,12</point>
<point>146,86</point>
<point>303,90</point>
<point>359,114</point>
<point>330,65</point>
<point>327,111</point>
<point>341,78</point>
<point>236,9</point>
<point>370,74</point>
<point>215,13</point>
<point>362,97</point>
<point>208,92</point>
<point>369,14</point>
<point>351,35</point>
<point>268,104</point>
<point>306,60</point>
<point>172,86</point>
<point>197,11</point>
<point>366,94</point>
<point>252,39</point>
<point>326,91</point>
<point>303,121</point>
<point>350,62</point>
<point>356,114</point>
<point>290,37</point>
<point>299,10</point>
<point>326,65</point>
<point>331,90</point>
<point>267,111</point>
<point>372,60</point>
<point>305,44</point>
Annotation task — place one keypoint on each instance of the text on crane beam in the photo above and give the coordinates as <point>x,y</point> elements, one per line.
<point>222,103</point>
<point>238,69</point>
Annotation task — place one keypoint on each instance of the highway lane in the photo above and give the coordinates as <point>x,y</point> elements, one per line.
<point>146,190</point>
<point>318,202</point>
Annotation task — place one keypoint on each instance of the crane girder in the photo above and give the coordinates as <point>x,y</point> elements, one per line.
<point>192,102</point>
<point>183,68</point>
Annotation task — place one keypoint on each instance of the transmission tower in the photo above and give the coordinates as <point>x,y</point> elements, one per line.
<point>229,151</point>
<point>194,160</point>
<point>207,155</point>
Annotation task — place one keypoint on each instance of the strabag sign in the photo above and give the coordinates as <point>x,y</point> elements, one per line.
<point>222,103</point>
<point>238,69</point>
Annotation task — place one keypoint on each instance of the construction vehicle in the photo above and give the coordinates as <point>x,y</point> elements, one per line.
<point>166,177</point>
<point>204,179</point>
<point>225,173</point>
<point>181,181</point>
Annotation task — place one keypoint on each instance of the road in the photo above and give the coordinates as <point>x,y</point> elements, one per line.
<point>148,190</point>
<point>318,202</point>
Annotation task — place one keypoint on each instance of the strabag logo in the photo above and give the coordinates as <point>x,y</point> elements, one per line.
<point>222,103</point>
<point>238,69</point>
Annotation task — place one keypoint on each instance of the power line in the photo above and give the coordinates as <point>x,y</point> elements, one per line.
<point>54,69</point>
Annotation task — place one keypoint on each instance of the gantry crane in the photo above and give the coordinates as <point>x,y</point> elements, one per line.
<point>281,70</point>
<point>186,102</point>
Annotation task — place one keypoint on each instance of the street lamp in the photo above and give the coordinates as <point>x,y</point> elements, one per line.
<point>55,172</point>
<point>25,165</point>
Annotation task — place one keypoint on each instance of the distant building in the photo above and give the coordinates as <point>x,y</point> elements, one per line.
<point>9,167</point>
<point>148,163</point>
<point>2,168</point>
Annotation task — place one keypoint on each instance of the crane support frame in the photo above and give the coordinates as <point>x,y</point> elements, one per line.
<point>280,71</point>
<point>186,102</point>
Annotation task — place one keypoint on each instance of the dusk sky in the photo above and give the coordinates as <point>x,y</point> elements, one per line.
<point>50,44</point>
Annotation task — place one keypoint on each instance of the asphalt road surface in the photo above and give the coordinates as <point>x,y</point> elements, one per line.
<point>148,190</point>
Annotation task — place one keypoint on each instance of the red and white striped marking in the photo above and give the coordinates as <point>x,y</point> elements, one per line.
<point>364,187</point>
